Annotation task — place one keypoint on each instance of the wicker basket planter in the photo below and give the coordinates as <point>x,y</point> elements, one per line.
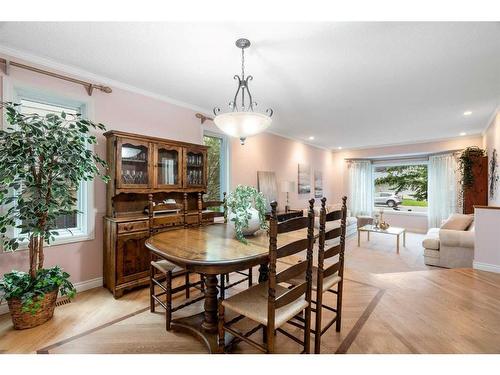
<point>24,320</point>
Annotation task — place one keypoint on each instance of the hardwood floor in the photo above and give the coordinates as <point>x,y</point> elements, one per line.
<point>419,310</point>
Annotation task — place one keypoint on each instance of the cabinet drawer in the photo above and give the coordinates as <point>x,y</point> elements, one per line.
<point>133,226</point>
<point>192,219</point>
<point>168,221</point>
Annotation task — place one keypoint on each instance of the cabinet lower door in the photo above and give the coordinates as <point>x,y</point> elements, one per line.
<point>132,257</point>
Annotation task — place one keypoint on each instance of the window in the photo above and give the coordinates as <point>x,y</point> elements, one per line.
<point>217,165</point>
<point>75,227</point>
<point>400,186</point>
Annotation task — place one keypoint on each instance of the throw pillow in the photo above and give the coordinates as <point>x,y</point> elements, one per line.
<point>457,222</point>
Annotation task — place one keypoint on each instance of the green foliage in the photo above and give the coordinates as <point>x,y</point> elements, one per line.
<point>42,161</point>
<point>406,177</point>
<point>414,203</point>
<point>466,162</point>
<point>239,203</point>
<point>31,291</point>
<point>214,159</point>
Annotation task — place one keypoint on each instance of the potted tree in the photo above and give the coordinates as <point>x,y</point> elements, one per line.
<point>43,159</point>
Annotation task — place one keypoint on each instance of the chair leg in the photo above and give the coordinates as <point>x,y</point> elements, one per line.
<point>264,334</point>
<point>202,285</point>
<point>168,287</point>
<point>307,330</point>
<point>220,324</point>
<point>151,288</point>
<point>317,326</point>
<point>227,277</point>
<point>270,338</point>
<point>186,277</point>
<point>222,288</point>
<point>338,323</point>
<point>250,277</point>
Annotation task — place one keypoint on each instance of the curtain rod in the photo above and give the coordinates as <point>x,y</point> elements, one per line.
<point>89,87</point>
<point>203,118</point>
<point>407,157</point>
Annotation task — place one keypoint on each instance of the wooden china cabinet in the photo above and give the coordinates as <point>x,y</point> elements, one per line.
<point>156,185</point>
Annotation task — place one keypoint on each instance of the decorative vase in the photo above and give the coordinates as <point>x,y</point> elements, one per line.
<point>253,222</point>
<point>24,320</point>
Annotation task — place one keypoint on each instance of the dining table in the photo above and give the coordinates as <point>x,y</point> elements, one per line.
<point>213,250</point>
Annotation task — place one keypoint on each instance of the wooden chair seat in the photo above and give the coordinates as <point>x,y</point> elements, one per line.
<point>253,304</point>
<point>166,266</point>
<point>328,282</point>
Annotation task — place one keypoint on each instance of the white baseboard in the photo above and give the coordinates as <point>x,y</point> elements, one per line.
<point>88,284</point>
<point>80,287</point>
<point>486,267</point>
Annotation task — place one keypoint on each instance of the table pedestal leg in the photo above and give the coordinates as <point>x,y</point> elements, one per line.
<point>210,322</point>
<point>204,325</point>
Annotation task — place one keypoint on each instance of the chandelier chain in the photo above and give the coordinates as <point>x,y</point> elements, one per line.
<point>242,64</point>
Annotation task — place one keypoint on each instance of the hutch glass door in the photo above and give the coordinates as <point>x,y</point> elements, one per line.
<point>168,166</point>
<point>133,165</point>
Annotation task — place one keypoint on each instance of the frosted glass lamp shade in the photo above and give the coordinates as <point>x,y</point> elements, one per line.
<point>242,124</point>
<point>287,186</point>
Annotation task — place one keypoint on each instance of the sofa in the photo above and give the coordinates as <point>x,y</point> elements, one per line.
<point>351,221</point>
<point>451,245</point>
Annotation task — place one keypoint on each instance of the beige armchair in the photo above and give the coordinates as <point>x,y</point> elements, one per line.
<point>450,248</point>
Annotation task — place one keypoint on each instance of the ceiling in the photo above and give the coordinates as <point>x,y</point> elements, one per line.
<point>348,85</point>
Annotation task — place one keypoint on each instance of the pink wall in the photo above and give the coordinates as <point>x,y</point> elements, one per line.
<point>413,222</point>
<point>268,152</point>
<point>128,111</point>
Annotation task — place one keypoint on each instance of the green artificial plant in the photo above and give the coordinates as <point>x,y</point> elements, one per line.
<point>466,162</point>
<point>43,159</point>
<point>239,203</point>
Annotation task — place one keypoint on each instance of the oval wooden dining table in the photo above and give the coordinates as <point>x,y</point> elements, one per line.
<point>212,250</point>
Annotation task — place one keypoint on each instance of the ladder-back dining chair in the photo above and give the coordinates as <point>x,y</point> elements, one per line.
<point>326,277</point>
<point>270,303</point>
<point>161,270</point>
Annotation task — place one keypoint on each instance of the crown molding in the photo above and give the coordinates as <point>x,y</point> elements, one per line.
<point>298,140</point>
<point>44,62</point>
<point>490,120</point>
<point>432,140</point>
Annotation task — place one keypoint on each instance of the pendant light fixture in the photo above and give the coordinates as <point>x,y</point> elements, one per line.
<point>242,121</point>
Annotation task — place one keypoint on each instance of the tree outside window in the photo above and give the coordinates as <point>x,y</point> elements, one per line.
<point>215,164</point>
<point>401,187</point>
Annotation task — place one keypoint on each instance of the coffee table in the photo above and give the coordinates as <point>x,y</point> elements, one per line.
<point>395,231</point>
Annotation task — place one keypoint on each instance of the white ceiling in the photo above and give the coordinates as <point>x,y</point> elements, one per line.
<point>346,84</point>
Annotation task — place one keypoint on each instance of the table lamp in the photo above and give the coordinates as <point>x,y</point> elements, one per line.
<point>287,187</point>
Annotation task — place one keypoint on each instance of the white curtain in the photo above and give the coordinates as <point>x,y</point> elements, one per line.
<point>442,188</point>
<point>360,187</point>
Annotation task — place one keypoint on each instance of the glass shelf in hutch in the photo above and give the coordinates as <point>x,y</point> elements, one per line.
<point>133,164</point>
<point>195,167</point>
